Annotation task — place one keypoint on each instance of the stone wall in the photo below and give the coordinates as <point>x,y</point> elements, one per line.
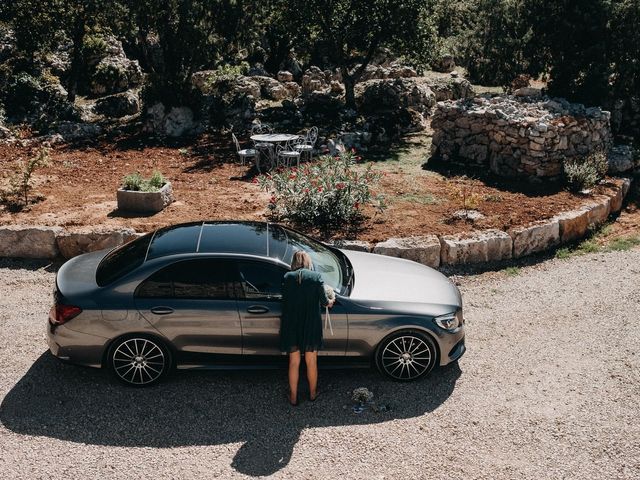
<point>517,137</point>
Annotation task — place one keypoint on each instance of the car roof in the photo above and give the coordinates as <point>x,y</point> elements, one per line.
<point>253,238</point>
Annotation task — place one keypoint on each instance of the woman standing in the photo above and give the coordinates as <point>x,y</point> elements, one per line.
<point>301,327</point>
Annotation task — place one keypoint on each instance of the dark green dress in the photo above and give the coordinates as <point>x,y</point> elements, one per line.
<point>301,325</point>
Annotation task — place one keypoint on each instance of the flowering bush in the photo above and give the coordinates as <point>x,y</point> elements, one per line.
<point>327,195</point>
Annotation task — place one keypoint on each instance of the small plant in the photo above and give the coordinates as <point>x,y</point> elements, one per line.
<point>132,182</point>
<point>585,172</point>
<point>512,271</point>
<point>563,253</point>
<point>465,195</point>
<point>495,198</point>
<point>135,182</point>
<point>17,196</point>
<point>328,195</point>
<point>622,244</point>
<point>184,152</point>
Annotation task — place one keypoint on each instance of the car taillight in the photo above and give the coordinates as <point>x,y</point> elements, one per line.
<point>60,314</point>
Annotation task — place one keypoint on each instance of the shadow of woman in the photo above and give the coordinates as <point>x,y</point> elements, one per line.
<point>205,408</point>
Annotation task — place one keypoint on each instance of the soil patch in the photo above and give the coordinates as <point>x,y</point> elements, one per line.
<point>79,189</point>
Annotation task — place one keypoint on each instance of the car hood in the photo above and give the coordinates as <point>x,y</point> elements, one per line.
<point>379,278</point>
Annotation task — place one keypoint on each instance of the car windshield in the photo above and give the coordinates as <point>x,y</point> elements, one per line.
<point>122,260</point>
<point>325,262</point>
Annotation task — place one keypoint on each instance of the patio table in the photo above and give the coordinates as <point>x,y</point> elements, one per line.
<point>272,138</point>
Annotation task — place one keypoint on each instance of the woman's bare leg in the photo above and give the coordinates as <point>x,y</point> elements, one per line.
<point>294,375</point>
<point>311,359</point>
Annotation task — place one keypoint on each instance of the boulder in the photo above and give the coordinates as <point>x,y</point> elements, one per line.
<point>358,245</point>
<point>118,105</point>
<point>446,63</point>
<point>285,76</point>
<point>389,95</point>
<point>621,158</point>
<point>422,249</point>
<point>29,242</point>
<point>573,225</point>
<point>477,247</point>
<point>176,123</point>
<point>616,198</point>
<point>114,75</point>
<point>293,89</point>
<point>77,243</point>
<point>270,88</point>
<point>535,238</point>
<point>72,131</point>
<point>528,92</point>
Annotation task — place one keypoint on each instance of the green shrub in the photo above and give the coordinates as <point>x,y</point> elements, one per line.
<point>133,181</point>
<point>137,183</point>
<point>328,195</point>
<point>586,172</point>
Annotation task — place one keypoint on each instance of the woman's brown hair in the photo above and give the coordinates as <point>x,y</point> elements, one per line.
<point>300,260</point>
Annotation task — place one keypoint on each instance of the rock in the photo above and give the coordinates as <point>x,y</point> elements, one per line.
<point>471,215</point>
<point>358,245</point>
<point>118,105</point>
<point>528,92</point>
<point>284,76</point>
<point>71,131</point>
<point>375,96</point>
<point>29,242</point>
<point>621,158</point>
<point>114,75</point>
<point>270,88</point>
<point>421,249</point>
<point>257,71</point>
<point>535,238</point>
<point>598,212</point>
<point>5,132</point>
<point>293,89</point>
<point>77,243</point>
<point>178,122</point>
<point>145,202</point>
<point>446,63</point>
<point>573,225</point>
<point>477,247</point>
<point>625,186</point>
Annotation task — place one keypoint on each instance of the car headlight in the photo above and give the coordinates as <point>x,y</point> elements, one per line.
<point>450,321</point>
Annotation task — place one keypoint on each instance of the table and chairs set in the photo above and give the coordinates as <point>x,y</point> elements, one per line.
<point>270,149</point>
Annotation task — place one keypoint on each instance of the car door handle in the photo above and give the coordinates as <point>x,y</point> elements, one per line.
<point>257,309</point>
<point>162,310</point>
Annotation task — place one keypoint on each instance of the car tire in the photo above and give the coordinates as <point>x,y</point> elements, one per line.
<point>139,360</point>
<point>406,356</point>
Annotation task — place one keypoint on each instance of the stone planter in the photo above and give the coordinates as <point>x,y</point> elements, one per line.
<point>145,202</point>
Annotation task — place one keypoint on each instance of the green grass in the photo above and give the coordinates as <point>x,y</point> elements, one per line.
<point>422,199</point>
<point>563,253</point>
<point>588,246</point>
<point>624,243</point>
<point>512,271</point>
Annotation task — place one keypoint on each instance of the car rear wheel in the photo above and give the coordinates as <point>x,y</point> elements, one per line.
<point>406,356</point>
<point>139,361</point>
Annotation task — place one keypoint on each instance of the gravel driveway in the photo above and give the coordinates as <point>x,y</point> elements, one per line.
<point>549,388</point>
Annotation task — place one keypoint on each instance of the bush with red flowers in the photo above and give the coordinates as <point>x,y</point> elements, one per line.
<point>327,195</point>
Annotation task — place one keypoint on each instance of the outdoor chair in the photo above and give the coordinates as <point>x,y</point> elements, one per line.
<point>309,142</point>
<point>250,153</point>
<point>288,153</point>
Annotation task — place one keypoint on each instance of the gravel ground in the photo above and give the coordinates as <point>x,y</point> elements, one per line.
<point>549,388</point>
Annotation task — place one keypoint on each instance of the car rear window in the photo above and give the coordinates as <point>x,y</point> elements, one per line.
<point>122,260</point>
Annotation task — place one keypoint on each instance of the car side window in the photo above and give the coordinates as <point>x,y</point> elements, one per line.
<point>261,281</point>
<point>191,279</point>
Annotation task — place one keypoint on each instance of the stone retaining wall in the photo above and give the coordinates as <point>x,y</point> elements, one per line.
<point>473,247</point>
<point>517,136</point>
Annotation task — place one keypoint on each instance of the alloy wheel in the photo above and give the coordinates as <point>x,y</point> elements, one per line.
<point>406,357</point>
<point>139,361</point>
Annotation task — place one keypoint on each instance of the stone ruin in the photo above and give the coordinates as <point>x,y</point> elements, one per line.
<point>518,136</point>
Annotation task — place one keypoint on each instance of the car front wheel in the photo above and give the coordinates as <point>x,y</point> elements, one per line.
<point>139,361</point>
<point>406,356</point>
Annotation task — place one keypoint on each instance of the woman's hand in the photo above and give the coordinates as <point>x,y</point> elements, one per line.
<point>330,304</point>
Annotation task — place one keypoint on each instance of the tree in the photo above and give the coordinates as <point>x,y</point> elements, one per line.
<point>355,30</point>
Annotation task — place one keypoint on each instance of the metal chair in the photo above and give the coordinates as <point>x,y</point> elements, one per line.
<point>265,148</point>
<point>309,142</point>
<point>251,153</point>
<point>288,153</point>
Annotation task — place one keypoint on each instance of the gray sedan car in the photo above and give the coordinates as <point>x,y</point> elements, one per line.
<point>208,295</point>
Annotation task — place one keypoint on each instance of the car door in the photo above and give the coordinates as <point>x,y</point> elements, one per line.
<point>193,304</point>
<point>260,308</point>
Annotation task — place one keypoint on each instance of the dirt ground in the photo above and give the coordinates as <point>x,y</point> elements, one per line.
<point>79,188</point>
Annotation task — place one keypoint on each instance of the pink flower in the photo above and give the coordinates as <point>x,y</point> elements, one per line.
<point>319,189</point>
<point>272,199</point>
<point>255,180</point>
<point>357,205</point>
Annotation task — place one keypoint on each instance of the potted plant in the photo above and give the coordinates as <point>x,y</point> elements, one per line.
<point>138,194</point>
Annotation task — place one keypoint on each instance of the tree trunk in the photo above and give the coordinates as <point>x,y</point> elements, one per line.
<point>349,87</point>
<point>76,59</point>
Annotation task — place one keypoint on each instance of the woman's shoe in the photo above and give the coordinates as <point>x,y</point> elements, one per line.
<point>313,399</point>
<point>293,404</point>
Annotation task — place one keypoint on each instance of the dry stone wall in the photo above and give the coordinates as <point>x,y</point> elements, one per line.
<point>518,137</point>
